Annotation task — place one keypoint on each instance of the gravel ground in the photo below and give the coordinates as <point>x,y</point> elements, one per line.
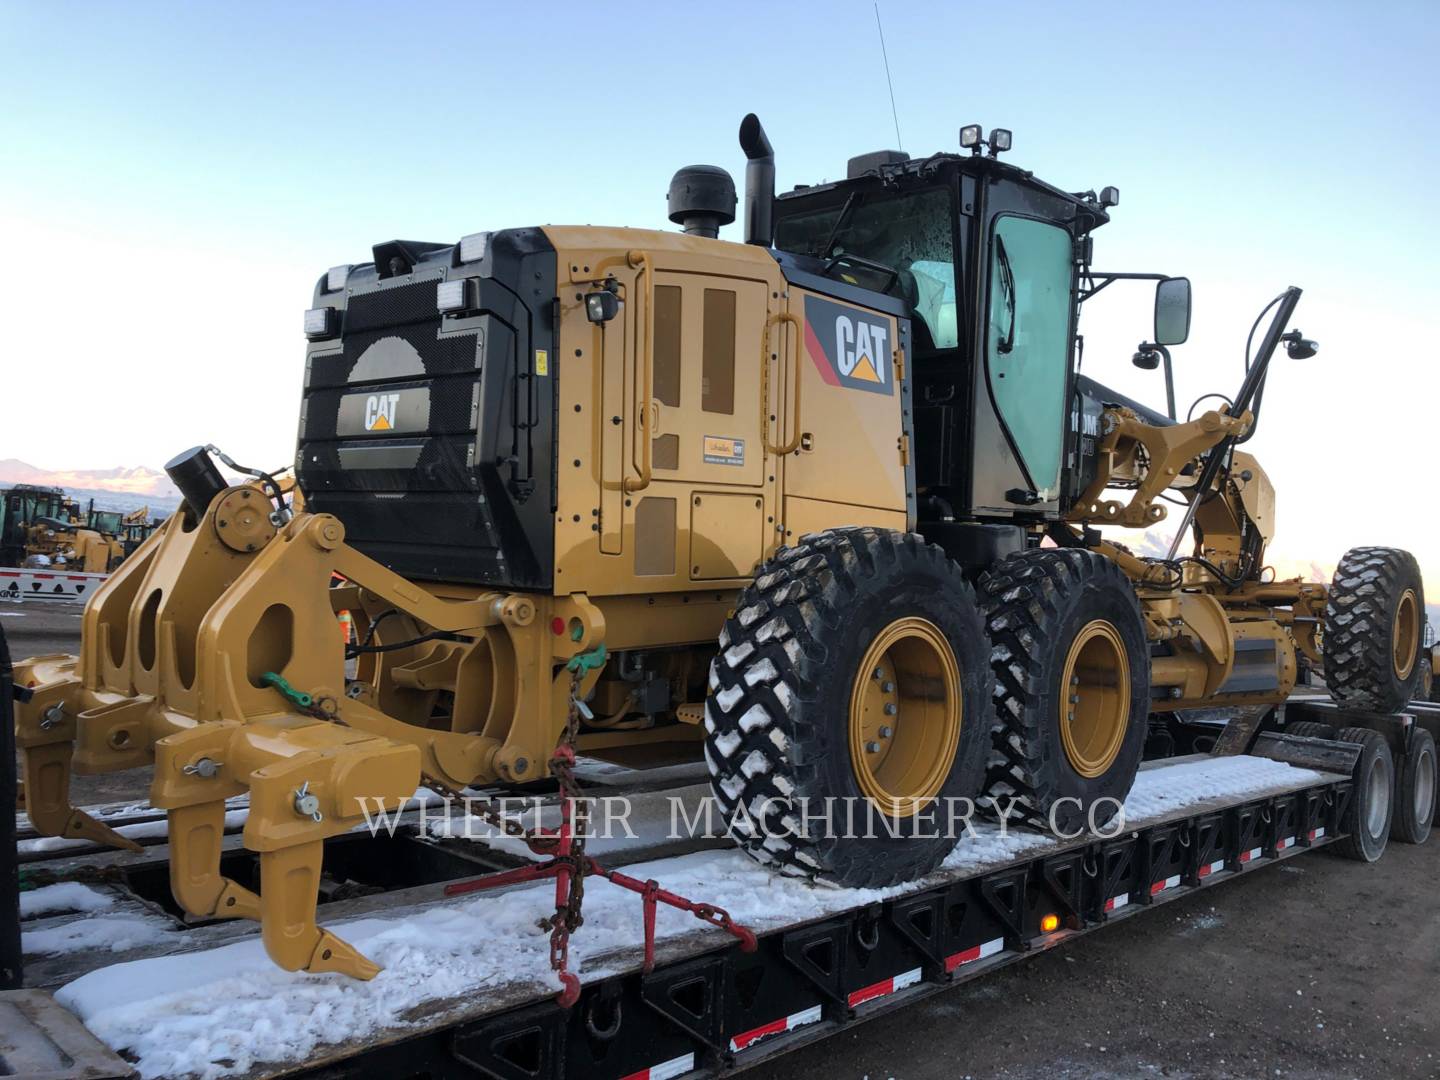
<point>1319,968</point>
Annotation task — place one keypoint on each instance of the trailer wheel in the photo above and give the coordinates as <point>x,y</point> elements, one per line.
<point>1415,790</point>
<point>1072,687</point>
<point>855,669</point>
<point>1372,804</point>
<point>1374,629</point>
<point>1310,729</point>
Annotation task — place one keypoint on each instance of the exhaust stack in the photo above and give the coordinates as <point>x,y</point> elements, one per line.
<point>759,182</point>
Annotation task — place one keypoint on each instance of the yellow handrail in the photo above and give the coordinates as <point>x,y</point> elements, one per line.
<point>794,443</point>
<point>647,381</point>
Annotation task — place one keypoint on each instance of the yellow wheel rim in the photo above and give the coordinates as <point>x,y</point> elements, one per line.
<point>905,715</point>
<point>1405,633</point>
<point>1095,703</point>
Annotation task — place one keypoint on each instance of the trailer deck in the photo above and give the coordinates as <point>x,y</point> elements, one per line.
<point>467,990</point>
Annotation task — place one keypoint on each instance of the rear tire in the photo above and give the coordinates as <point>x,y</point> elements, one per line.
<point>1374,629</point>
<point>1415,786</point>
<point>1372,804</point>
<point>1067,755</point>
<point>785,732</point>
<point>1310,729</point>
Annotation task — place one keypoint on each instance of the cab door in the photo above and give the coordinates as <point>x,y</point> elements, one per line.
<point>1025,339</point>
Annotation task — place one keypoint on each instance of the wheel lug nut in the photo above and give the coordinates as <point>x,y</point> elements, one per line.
<point>879,673</point>
<point>886,731</point>
<point>1074,699</point>
<point>872,747</point>
<point>890,709</point>
<point>888,687</point>
<point>1074,680</point>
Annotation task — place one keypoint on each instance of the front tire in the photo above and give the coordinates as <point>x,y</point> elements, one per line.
<point>855,668</point>
<point>1072,687</point>
<point>1374,629</point>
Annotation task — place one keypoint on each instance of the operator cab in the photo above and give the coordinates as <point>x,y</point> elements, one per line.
<point>992,265</point>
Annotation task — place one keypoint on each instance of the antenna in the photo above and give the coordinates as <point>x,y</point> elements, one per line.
<point>899,145</point>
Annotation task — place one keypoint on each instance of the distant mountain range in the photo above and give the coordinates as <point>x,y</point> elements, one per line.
<point>112,489</point>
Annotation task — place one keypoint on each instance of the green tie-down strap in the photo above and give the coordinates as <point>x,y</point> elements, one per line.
<point>584,662</point>
<point>295,697</point>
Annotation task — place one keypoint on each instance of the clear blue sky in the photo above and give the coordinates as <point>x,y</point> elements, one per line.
<point>173,177</point>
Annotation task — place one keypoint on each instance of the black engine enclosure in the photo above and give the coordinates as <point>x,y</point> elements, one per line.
<point>430,435</point>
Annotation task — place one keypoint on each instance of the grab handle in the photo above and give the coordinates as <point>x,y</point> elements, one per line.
<point>647,377</point>
<point>794,442</point>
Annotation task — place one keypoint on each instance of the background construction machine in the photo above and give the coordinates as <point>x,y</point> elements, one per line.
<point>828,501</point>
<point>45,527</point>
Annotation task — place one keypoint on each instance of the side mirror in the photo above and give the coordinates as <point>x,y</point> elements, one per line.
<point>1172,311</point>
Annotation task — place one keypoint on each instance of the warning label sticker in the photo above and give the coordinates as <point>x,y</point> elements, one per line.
<point>720,450</point>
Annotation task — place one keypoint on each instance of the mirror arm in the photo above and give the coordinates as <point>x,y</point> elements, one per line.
<point>1250,391</point>
<point>1169,380</point>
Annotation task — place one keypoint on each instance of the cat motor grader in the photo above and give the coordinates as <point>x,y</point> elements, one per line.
<point>825,503</point>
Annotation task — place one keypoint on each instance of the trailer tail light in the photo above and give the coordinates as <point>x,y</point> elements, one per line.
<point>1049,923</point>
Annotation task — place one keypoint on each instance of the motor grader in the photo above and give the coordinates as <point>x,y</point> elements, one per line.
<point>828,505</point>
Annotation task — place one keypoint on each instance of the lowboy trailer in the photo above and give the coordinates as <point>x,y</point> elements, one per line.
<point>707,1006</point>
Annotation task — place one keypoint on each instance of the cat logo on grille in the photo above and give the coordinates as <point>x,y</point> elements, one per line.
<point>380,411</point>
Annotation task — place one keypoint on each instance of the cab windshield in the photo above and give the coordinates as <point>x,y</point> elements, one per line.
<point>902,244</point>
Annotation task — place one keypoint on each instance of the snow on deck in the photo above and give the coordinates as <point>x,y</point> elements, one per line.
<point>226,1010</point>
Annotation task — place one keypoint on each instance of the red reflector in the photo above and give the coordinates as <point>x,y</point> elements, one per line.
<point>557,626</point>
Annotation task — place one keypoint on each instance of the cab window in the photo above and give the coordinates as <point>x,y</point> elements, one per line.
<point>900,244</point>
<point>1028,339</point>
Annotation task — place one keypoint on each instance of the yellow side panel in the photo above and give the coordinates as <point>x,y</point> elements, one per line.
<point>811,515</point>
<point>727,534</point>
<point>850,407</point>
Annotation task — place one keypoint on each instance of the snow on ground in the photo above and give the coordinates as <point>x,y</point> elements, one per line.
<point>225,1010</point>
<point>66,896</point>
